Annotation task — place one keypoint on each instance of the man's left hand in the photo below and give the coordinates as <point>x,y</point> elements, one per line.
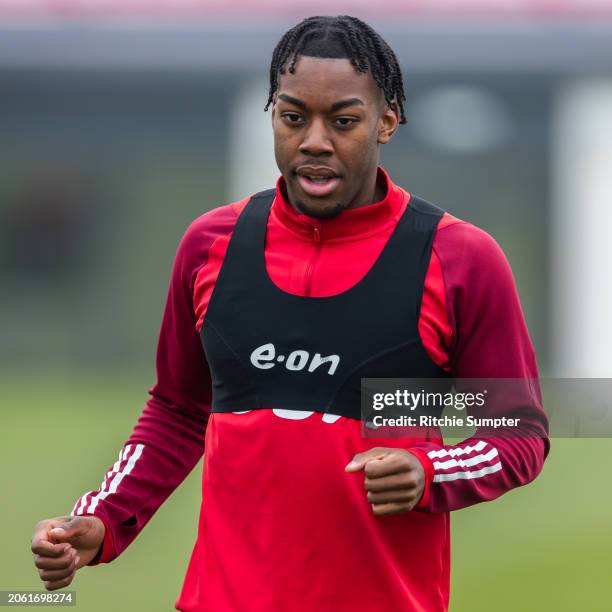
<point>394,479</point>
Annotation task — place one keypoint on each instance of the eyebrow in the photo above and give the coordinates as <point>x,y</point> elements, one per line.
<point>336,106</point>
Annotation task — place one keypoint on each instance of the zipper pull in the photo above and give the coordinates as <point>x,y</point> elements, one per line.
<point>316,234</point>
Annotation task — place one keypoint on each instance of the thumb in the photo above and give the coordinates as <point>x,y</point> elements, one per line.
<point>360,459</point>
<point>66,531</point>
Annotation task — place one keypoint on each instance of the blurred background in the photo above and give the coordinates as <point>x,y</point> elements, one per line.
<point>122,121</point>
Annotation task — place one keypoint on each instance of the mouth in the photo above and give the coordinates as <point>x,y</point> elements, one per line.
<point>317,182</point>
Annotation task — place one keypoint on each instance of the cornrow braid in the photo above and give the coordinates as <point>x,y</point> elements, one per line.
<point>340,37</point>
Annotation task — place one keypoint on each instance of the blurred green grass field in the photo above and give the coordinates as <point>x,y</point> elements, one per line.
<point>544,547</point>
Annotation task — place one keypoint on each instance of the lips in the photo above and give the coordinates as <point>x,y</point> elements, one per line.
<point>318,181</point>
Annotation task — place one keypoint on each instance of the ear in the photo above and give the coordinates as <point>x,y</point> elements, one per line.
<point>388,123</point>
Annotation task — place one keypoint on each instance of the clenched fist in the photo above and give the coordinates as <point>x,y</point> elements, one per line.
<point>394,479</point>
<point>64,544</point>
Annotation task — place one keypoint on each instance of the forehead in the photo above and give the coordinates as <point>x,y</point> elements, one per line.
<point>323,79</point>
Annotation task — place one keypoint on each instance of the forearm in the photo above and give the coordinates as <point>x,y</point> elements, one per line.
<point>162,450</point>
<point>168,439</point>
<point>480,469</point>
<point>489,348</point>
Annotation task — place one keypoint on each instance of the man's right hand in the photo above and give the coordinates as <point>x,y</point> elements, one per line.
<point>63,545</point>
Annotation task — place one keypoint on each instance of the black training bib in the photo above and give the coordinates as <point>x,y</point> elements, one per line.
<point>270,349</point>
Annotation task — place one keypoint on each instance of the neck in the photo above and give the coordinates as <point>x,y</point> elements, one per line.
<point>373,191</point>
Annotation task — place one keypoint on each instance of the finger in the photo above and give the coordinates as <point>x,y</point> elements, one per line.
<point>403,480</point>
<point>393,508</point>
<point>56,575</point>
<point>387,497</point>
<point>392,463</point>
<point>41,544</point>
<point>52,585</point>
<point>48,563</point>
<point>47,549</point>
<point>360,459</point>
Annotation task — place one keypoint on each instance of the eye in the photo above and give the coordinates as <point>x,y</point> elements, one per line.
<point>345,121</point>
<point>292,118</point>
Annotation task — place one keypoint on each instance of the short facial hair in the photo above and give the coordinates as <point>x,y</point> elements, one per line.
<point>320,214</point>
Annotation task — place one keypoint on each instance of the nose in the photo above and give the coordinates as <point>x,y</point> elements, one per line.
<point>316,139</point>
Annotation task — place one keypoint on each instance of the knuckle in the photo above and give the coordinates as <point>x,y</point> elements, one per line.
<point>370,469</point>
<point>414,461</point>
<point>41,570</point>
<point>65,564</point>
<point>53,585</point>
<point>44,564</point>
<point>409,479</point>
<point>66,581</point>
<point>407,462</point>
<point>411,482</point>
<point>373,486</point>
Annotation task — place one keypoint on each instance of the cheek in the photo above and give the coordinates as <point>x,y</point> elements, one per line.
<point>280,149</point>
<point>360,152</point>
<point>285,144</point>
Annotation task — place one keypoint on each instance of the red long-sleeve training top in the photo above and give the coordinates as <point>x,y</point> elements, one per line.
<point>262,526</point>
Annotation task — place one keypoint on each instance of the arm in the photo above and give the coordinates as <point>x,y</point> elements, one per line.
<point>489,340</point>
<point>168,439</point>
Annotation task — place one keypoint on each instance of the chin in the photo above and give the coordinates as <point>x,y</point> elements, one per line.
<point>320,211</point>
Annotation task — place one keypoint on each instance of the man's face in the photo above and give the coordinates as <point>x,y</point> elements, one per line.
<point>328,121</point>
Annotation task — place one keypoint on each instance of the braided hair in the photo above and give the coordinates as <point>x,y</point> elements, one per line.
<point>343,37</point>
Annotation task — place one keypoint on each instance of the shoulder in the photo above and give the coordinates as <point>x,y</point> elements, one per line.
<point>216,221</point>
<point>458,242</point>
<point>479,286</point>
<point>466,248</point>
<point>201,234</point>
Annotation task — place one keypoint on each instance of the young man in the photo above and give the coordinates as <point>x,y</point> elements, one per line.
<point>278,305</point>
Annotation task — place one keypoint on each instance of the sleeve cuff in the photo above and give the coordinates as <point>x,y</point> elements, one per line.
<point>107,550</point>
<point>429,474</point>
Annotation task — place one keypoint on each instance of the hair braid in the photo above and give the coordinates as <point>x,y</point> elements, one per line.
<point>346,37</point>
